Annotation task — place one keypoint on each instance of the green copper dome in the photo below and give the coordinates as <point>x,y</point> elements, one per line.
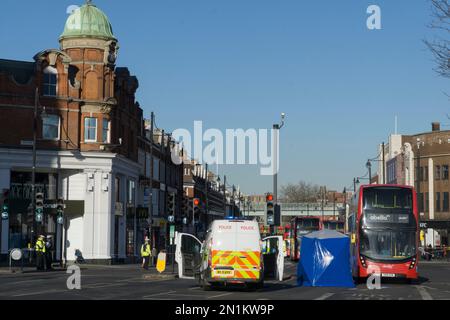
<point>88,21</point>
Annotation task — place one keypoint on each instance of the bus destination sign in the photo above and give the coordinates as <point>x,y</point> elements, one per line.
<point>387,218</point>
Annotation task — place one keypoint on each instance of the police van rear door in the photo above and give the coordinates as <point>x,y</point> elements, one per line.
<point>274,255</point>
<point>187,255</point>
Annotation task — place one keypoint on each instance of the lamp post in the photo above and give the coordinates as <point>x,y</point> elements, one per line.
<point>206,198</point>
<point>345,209</point>
<point>421,200</point>
<point>369,167</point>
<point>276,131</point>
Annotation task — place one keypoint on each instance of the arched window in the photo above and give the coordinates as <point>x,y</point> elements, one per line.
<point>50,83</point>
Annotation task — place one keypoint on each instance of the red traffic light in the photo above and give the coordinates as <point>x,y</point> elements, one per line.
<point>196,202</point>
<point>269,197</point>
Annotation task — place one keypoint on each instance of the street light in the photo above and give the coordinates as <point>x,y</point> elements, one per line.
<point>276,130</point>
<point>421,200</point>
<point>369,167</point>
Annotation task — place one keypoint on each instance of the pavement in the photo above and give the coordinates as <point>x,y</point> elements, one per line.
<point>130,282</point>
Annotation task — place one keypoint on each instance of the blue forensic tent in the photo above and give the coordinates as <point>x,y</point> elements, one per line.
<point>325,260</point>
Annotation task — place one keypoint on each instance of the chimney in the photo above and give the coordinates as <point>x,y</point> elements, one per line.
<point>436,126</point>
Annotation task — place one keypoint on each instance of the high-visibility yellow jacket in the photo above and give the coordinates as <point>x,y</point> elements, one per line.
<point>40,246</point>
<point>145,250</point>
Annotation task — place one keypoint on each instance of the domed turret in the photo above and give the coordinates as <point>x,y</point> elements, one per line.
<point>88,22</point>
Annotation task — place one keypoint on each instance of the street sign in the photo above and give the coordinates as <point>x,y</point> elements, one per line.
<point>172,232</point>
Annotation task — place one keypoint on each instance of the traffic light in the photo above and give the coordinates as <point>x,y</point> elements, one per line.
<point>185,209</point>
<point>171,204</point>
<point>60,211</point>
<point>185,205</point>
<point>5,205</point>
<point>196,208</point>
<point>39,206</point>
<point>270,210</point>
<point>277,215</point>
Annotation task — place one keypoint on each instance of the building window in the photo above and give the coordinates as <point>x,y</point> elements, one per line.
<point>425,177</point>
<point>106,137</point>
<point>437,174</point>
<point>50,82</point>
<point>90,129</point>
<point>445,172</point>
<point>438,202</point>
<point>421,203</point>
<point>117,189</point>
<point>445,204</point>
<point>50,127</point>
<point>427,201</point>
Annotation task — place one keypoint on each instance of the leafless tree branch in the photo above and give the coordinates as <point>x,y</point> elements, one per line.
<point>440,48</point>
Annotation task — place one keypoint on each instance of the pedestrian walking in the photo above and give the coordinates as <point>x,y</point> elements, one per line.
<point>40,253</point>
<point>48,253</point>
<point>146,253</point>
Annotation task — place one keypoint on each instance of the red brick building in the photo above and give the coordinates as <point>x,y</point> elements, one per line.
<point>88,126</point>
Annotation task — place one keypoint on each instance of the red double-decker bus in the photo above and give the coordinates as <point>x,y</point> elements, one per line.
<point>335,225</point>
<point>301,226</point>
<point>384,227</point>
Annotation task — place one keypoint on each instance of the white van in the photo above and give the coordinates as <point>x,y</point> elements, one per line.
<point>230,254</point>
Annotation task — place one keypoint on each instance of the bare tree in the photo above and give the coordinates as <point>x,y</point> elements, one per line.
<point>300,192</point>
<point>440,46</point>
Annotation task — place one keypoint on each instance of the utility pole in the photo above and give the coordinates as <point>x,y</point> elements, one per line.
<point>421,198</point>
<point>152,119</point>
<point>334,205</point>
<point>369,167</point>
<point>206,199</point>
<point>33,169</point>
<point>384,165</point>
<point>232,197</point>
<point>225,195</point>
<point>345,209</point>
<point>276,132</point>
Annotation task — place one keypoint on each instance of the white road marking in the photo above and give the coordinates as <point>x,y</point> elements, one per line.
<point>25,281</point>
<point>37,293</point>
<point>102,285</point>
<point>424,293</point>
<point>325,296</point>
<point>220,295</point>
<point>158,294</point>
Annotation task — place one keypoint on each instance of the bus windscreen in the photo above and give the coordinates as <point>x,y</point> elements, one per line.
<point>388,198</point>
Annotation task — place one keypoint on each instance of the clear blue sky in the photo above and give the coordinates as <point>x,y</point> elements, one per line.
<point>239,63</point>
